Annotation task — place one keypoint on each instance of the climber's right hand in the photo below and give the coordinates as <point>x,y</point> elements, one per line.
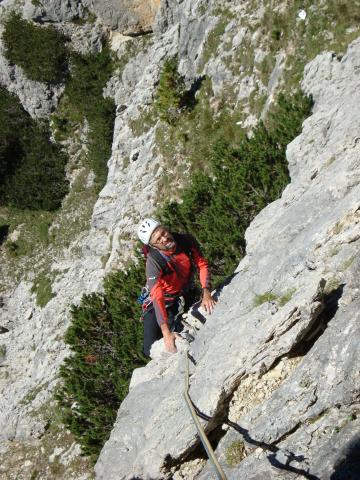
<point>169,339</point>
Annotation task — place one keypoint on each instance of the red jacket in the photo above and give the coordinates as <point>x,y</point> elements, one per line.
<point>180,264</point>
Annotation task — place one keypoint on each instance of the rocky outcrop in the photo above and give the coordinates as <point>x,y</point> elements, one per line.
<point>135,161</point>
<point>54,10</point>
<point>128,17</point>
<point>304,250</point>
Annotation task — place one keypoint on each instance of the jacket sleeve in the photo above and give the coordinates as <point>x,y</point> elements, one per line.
<point>201,263</point>
<point>153,276</point>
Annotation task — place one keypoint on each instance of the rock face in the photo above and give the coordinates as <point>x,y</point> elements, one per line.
<point>54,10</point>
<point>125,16</point>
<point>304,249</point>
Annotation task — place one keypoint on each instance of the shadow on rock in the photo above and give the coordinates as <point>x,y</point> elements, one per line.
<point>347,466</point>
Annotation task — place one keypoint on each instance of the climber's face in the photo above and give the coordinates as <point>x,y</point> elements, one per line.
<point>162,239</point>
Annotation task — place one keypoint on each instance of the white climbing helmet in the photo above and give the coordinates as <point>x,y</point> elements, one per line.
<point>146,228</point>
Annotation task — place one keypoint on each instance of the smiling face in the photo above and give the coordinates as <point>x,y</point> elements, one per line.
<point>162,239</point>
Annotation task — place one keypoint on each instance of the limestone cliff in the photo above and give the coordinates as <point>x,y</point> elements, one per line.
<point>296,353</point>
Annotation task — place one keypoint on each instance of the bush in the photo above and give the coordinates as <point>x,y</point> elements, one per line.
<point>83,98</point>
<point>218,207</point>
<point>32,168</point>
<point>41,52</point>
<point>101,130</point>
<point>106,340</point>
<point>170,92</point>
<point>13,121</point>
<point>39,182</point>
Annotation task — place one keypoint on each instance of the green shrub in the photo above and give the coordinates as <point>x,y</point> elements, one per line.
<point>32,167</point>
<point>40,51</point>
<point>235,452</point>
<point>13,121</point>
<point>101,129</point>
<point>43,290</point>
<point>106,340</point>
<point>218,207</point>
<point>191,139</point>
<point>39,181</point>
<point>286,297</point>
<point>83,98</point>
<point>170,92</point>
<point>12,248</point>
<point>263,298</point>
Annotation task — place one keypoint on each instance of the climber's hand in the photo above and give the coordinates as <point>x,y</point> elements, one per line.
<point>169,339</point>
<point>208,302</point>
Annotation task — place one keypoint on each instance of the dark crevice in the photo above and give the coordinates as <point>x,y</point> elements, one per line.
<point>188,99</point>
<point>4,231</point>
<point>3,330</point>
<point>318,327</point>
<point>197,451</point>
<point>331,305</point>
<point>347,465</point>
<point>142,33</point>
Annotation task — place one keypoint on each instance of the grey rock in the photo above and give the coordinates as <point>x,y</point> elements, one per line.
<point>53,10</point>
<point>274,81</point>
<point>312,411</point>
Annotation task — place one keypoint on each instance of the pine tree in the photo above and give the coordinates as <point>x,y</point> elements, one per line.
<point>170,92</point>
<point>105,337</point>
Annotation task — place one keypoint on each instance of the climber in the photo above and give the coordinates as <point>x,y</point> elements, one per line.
<point>169,272</point>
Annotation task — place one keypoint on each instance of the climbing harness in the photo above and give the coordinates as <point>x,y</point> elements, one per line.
<point>204,440</point>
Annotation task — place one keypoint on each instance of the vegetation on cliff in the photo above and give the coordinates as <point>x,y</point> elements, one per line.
<point>83,100</point>
<point>40,51</point>
<point>32,168</point>
<point>106,339</point>
<point>218,206</point>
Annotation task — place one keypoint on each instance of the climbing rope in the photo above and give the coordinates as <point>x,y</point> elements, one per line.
<point>204,440</point>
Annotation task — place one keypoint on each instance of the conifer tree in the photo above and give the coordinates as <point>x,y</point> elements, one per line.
<point>105,337</point>
<point>170,92</point>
